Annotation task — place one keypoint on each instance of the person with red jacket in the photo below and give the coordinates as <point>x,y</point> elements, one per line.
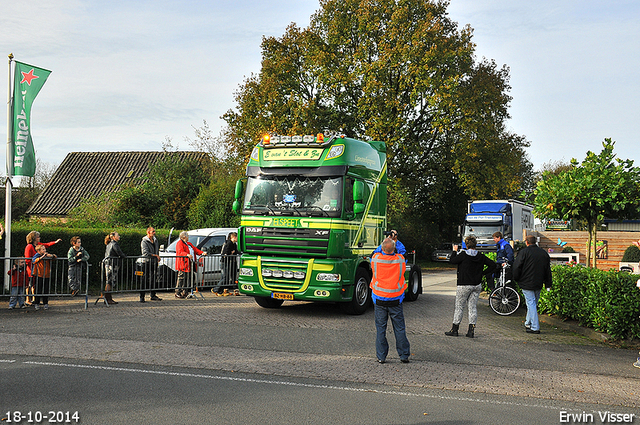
<point>19,280</point>
<point>387,290</point>
<point>186,264</point>
<point>33,239</point>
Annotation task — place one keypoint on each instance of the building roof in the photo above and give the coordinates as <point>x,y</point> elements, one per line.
<point>85,174</point>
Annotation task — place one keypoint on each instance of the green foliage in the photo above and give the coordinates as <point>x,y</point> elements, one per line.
<point>162,198</point>
<point>399,72</point>
<point>213,206</point>
<point>601,186</point>
<point>631,254</point>
<point>607,301</point>
<point>568,248</point>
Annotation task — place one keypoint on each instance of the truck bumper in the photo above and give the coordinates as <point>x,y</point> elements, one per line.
<point>296,279</point>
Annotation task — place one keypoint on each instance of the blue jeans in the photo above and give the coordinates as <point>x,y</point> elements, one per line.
<point>382,313</point>
<point>17,296</point>
<point>531,298</point>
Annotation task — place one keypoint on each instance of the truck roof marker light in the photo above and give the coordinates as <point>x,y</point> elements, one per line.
<point>255,154</point>
<point>308,138</point>
<point>266,139</point>
<point>335,151</point>
<point>320,138</point>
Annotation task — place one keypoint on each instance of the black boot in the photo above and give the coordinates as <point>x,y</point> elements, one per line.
<point>471,330</point>
<point>453,331</point>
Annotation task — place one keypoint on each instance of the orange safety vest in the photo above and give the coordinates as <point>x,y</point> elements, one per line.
<point>388,275</point>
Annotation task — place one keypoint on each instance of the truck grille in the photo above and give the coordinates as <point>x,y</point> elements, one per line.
<point>287,241</point>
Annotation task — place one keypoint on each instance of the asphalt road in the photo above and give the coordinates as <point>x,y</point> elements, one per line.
<point>226,360</point>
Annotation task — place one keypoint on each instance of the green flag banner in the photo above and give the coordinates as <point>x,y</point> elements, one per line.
<point>28,80</point>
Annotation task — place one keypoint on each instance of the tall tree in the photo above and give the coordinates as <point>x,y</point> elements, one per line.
<point>602,186</point>
<point>400,71</point>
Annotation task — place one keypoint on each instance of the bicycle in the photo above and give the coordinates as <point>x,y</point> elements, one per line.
<point>504,300</point>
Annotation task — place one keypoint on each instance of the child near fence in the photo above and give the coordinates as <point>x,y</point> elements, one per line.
<point>41,274</point>
<point>19,280</point>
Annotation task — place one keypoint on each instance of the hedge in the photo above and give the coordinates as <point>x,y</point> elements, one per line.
<point>92,241</point>
<point>607,301</point>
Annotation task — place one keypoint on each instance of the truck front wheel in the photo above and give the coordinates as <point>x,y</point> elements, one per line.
<point>361,294</point>
<point>414,286</point>
<point>268,302</point>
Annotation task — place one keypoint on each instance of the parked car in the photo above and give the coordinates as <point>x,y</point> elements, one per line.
<point>443,252</point>
<point>209,271</point>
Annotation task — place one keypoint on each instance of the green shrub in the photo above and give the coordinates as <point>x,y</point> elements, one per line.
<point>631,254</point>
<point>607,301</point>
<point>568,248</point>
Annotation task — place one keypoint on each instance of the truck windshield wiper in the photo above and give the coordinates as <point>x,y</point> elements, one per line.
<point>265,212</point>
<point>321,210</point>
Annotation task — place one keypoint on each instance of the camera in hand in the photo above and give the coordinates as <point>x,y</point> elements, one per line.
<point>388,233</point>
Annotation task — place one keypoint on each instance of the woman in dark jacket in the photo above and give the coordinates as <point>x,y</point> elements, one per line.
<point>113,256</point>
<point>472,265</point>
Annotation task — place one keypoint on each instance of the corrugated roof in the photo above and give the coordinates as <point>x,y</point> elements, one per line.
<point>85,174</point>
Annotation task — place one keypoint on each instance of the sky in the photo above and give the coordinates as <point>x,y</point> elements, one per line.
<point>127,75</point>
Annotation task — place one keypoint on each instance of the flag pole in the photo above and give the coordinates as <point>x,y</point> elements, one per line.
<point>8,185</point>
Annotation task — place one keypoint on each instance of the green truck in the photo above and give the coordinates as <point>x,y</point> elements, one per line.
<point>313,210</point>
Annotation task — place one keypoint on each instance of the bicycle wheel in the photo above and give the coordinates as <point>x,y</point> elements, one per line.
<point>504,300</point>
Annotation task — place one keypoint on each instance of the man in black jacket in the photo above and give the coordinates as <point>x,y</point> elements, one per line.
<point>532,269</point>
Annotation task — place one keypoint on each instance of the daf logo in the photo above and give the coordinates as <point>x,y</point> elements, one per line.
<point>322,232</point>
<point>253,230</point>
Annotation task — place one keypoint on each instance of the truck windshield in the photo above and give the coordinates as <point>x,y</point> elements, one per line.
<point>289,195</point>
<point>481,232</point>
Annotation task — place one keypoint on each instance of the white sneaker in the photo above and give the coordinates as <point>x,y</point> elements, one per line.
<point>37,306</point>
<point>11,307</point>
<point>637,363</point>
<point>46,306</point>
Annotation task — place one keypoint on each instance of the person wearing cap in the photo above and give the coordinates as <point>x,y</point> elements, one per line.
<point>387,291</point>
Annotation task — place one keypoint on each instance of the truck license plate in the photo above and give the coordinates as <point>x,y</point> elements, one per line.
<point>281,296</point>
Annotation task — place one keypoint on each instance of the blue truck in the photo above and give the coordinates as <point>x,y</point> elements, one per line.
<point>485,217</point>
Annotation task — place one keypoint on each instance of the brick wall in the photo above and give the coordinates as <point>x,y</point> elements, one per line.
<point>617,243</point>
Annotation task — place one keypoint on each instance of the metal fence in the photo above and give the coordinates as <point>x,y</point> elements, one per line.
<point>213,273</point>
<point>141,275</point>
<point>50,279</point>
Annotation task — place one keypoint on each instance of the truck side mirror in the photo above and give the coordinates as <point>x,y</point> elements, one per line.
<point>237,196</point>
<point>358,196</point>
<point>239,189</point>
<point>358,191</point>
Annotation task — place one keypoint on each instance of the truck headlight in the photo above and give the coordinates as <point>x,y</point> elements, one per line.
<point>328,277</point>
<point>245,271</point>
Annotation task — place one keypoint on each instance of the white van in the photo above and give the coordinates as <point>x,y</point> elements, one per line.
<point>209,271</point>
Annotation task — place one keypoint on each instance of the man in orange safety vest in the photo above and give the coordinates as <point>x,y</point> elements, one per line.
<point>387,291</point>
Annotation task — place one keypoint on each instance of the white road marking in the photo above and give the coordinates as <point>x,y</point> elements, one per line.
<point>292,384</point>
